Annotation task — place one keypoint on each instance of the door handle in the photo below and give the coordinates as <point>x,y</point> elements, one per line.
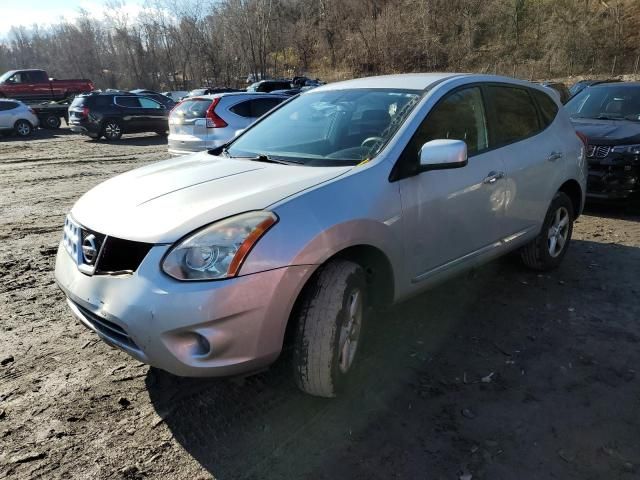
<point>553,156</point>
<point>493,177</point>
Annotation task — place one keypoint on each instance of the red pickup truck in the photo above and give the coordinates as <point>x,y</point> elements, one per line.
<point>36,85</point>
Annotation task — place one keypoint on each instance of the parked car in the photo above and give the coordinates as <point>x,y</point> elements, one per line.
<point>208,121</point>
<point>17,117</point>
<point>268,86</point>
<point>348,197</point>
<point>608,115</point>
<point>36,85</point>
<point>176,95</point>
<point>158,97</point>
<point>582,84</point>
<point>559,87</point>
<point>112,114</point>
<point>211,90</point>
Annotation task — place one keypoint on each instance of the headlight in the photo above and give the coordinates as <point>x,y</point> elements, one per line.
<point>633,149</point>
<point>217,250</point>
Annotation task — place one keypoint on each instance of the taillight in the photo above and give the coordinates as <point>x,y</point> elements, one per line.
<point>584,138</point>
<point>85,111</point>
<point>213,120</point>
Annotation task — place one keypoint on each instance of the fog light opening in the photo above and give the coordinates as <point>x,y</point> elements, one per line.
<point>201,346</point>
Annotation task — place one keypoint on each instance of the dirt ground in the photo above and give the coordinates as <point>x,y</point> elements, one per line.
<point>500,374</point>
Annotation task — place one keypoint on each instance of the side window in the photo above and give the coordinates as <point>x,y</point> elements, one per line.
<point>18,78</point>
<point>262,105</point>
<point>39,77</point>
<point>128,102</point>
<point>148,103</point>
<point>548,107</point>
<point>243,109</point>
<point>460,116</point>
<point>7,106</point>
<point>515,114</point>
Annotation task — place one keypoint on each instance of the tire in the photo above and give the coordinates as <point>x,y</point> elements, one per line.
<point>547,250</point>
<point>23,128</point>
<point>111,130</point>
<point>329,325</point>
<point>51,121</point>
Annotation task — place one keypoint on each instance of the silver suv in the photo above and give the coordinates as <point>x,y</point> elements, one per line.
<point>209,121</point>
<point>352,195</point>
<point>17,117</point>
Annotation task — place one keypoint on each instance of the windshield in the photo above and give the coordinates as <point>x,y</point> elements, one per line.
<point>608,102</point>
<point>6,75</point>
<point>338,127</point>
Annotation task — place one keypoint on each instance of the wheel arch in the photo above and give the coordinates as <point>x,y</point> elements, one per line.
<point>574,191</point>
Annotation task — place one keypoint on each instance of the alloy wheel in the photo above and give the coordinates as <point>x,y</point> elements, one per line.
<point>350,332</point>
<point>558,232</point>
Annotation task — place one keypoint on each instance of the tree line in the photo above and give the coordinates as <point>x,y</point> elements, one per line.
<point>182,44</point>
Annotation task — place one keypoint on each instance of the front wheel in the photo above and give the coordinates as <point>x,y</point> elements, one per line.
<point>112,130</point>
<point>329,327</point>
<point>547,250</point>
<point>23,128</point>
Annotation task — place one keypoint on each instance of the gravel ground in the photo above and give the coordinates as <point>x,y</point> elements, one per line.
<point>500,374</point>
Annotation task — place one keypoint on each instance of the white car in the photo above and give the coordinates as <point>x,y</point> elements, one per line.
<point>347,197</point>
<point>209,121</point>
<point>176,95</point>
<point>17,117</point>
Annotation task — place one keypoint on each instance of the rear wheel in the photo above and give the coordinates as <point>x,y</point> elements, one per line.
<point>23,128</point>
<point>329,326</point>
<point>548,249</point>
<point>112,130</point>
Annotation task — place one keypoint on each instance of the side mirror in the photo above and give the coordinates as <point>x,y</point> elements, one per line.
<point>442,154</point>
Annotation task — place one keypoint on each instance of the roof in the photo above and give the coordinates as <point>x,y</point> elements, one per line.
<point>408,81</point>
<point>233,94</point>
<point>616,84</point>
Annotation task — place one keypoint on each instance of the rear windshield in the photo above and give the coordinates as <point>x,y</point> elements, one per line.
<point>195,108</point>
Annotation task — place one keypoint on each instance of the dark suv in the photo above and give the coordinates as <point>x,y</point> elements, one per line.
<point>111,114</point>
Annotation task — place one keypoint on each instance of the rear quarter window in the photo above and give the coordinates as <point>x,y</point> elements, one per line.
<point>515,115</point>
<point>548,108</point>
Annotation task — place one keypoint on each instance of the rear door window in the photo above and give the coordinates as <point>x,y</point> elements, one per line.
<point>38,77</point>
<point>148,103</point>
<point>128,102</point>
<point>548,108</point>
<point>515,115</point>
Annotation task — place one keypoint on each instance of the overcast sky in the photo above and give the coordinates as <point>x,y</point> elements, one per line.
<point>46,12</point>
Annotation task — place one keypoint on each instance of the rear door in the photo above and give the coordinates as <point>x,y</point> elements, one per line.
<point>7,114</point>
<point>131,113</point>
<point>41,87</point>
<point>531,153</point>
<point>155,115</point>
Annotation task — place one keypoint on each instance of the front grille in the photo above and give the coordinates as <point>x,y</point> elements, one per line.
<point>97,253</point>
<point>598,151</point>
<point>108,329</point>
<point>121,256</point>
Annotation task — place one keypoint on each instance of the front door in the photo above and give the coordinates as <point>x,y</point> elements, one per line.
<point>155,115</point>
<point>451,217</point>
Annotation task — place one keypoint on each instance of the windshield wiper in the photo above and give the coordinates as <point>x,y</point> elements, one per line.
<point>268,159</point>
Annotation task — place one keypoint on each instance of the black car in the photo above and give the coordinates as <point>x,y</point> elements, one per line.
<point>111,114</point>
<point>158,97</point>
<point>210,91</point>
<point>608,115</point>
<point>577,87</point>
<point>268,86</point>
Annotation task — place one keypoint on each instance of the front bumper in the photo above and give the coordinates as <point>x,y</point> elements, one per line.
<point>214,328</point>
<point>613,180</point>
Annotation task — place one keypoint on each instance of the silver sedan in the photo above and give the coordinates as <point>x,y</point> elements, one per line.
<point>351,196</point>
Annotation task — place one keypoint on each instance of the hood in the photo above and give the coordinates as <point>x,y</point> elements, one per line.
<point>608,132</point>
<point>162,202</point>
